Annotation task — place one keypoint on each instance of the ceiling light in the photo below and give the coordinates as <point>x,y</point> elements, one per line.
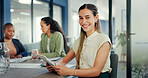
<point>29,2</point>
<point>11,10</point>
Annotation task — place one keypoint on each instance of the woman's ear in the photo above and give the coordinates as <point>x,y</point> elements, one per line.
<point>3,31</point>
<point>49,25</point>
<point>96,17</point>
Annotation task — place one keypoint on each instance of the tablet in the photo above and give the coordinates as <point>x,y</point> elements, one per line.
<point>45,59</point>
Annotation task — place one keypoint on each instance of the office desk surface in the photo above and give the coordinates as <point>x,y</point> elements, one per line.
<point>30,73</point>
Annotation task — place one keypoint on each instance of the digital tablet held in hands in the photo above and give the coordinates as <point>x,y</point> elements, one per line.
<point>45,59</point>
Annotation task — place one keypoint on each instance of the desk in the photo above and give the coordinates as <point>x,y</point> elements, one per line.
<point>40,72</point>
<point>30,73</point>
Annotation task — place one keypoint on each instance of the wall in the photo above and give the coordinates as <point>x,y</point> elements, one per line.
<point>6,12</point>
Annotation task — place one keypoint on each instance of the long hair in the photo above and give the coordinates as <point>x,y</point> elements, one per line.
<point>94,10</point>
<point>54,26</point>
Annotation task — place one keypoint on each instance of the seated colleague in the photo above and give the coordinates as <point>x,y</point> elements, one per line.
<point>53,41</point>
<point>16,48</point>
<point>91,49</point>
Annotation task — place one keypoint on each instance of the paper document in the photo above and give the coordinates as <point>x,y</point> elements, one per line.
<point>55,58</point>
<point>17,60</point>
<point>25,65</point>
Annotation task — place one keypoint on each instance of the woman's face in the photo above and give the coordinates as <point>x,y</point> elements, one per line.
<point>9,32</point>
<point>87,20</point>
<point>44,27</point>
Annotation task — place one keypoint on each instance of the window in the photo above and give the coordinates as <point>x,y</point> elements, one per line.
<point>39,10</point>
<point>57,14</point>
<point>21,18</point>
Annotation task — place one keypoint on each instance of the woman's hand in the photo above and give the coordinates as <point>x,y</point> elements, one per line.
<point>63,70</point>
<point>12,57</point>
<point>34,53</point>
<point>19,56</point>
<point>34,57</point>
<point>49,67</point>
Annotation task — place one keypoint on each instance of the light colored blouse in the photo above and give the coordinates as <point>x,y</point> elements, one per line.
<point>90,48</point>
<point>48,43</point>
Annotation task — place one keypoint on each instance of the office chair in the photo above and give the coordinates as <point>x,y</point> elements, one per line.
<point>114,65</point>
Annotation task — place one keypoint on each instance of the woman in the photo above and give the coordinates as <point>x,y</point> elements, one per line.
<point>53,41</point>
<point>92,49</point>
<point>16,48</point>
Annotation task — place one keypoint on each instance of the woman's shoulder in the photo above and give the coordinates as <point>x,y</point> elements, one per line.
<point>15,40</point>
<point>57,34</point>
<point>43,36</point>
<point>102,36</point>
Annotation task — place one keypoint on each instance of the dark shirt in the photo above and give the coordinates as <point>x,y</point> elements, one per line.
<point>19,47</point>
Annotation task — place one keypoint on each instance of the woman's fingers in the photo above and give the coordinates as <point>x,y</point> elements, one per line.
<point>19,56</point>
<point>49,67</point>
<point>56,67</point>
<point>51,70</point>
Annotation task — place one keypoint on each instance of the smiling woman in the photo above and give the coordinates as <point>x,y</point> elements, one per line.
<point>91,49</point>
<point>16,48</point>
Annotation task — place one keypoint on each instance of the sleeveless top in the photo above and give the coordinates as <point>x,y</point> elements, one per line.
<point>90,48</point>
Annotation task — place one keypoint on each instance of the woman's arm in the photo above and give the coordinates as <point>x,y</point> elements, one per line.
<point>68,57</point>
<point>41,43</point>
<point>64,61</point>
<point>100,61</point>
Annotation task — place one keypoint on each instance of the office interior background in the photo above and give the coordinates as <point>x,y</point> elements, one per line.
<point>26,16</point>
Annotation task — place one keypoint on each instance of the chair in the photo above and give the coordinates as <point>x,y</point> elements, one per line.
<point>114,65</point>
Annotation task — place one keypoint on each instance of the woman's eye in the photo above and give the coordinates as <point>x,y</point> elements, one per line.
<point>87,17</point>
<point>80,18</point>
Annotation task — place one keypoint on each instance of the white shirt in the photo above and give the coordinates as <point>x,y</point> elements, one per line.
<point>90,48</point>
<point>48,43</point>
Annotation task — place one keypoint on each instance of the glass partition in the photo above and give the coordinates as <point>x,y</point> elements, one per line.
<point>119,14</point>
<point>139,39</point>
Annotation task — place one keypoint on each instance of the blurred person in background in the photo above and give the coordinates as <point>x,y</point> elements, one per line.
<point>16,48</point>
<point>53,41</point>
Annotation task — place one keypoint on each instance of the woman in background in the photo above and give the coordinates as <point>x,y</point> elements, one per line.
<point>16,48</point>
<point>53,41</point>
<point>91,49</point>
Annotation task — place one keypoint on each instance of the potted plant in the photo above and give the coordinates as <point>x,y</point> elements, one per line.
<point>138,70</point>
<point>121,37</point>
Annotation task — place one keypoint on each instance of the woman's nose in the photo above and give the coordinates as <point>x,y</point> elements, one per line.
<point>11,33</point>
<point>83,21</point>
